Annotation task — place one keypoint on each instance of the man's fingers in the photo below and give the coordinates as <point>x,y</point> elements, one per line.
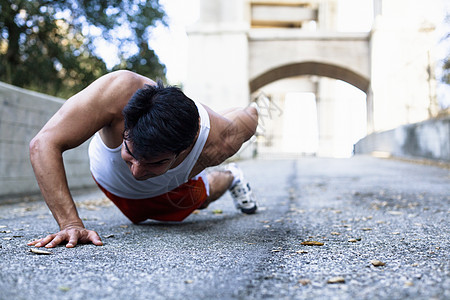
<point>32,243</point>
<point>44,241</point>
<point>95,238</point>
<point>73,236</point>
<point>97,243</point>
<point>72,242</point>
<point>56,241</point>
<point>84,236</point>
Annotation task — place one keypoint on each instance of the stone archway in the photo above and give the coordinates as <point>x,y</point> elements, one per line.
<point>310,68</point>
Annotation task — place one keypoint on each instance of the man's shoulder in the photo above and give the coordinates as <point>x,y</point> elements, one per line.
<point>127,76</point>
<point>111,92</point>
<point>124,82</point>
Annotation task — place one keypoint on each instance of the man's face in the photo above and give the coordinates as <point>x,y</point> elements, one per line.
<point>146,168</point>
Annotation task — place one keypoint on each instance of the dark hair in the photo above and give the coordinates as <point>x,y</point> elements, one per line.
<point>160,120</point>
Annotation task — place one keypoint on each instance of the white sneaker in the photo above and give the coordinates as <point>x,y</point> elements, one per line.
<point>241,192</point>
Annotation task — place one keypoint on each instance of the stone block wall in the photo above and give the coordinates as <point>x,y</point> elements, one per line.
<point>429,139</point>
<point>22,115</point>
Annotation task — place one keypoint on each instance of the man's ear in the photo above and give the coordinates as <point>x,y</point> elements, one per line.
<point>180,153</point>
<point>125,134</point>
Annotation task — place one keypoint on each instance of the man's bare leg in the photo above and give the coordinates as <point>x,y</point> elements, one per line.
<point>248,115</point>
<point>231,180</point>
<point>219,183</point>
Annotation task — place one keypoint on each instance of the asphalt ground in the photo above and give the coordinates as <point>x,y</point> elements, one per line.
<point>361,209</point>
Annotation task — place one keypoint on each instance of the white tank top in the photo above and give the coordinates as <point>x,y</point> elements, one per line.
<point>112,173</point>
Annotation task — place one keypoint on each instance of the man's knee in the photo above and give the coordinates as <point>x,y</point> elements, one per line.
<point>219,182</point>
<point>253,111</point>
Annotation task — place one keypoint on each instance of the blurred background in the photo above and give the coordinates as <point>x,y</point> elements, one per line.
<point>327,73</point>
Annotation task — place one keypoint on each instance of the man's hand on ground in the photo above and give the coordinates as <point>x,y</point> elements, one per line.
<point>72,235</point>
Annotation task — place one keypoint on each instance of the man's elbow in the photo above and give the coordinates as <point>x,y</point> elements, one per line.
<point>38,146</point>
<point>35,147</point>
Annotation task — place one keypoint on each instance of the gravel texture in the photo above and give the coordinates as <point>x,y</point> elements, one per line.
<point>362,209</point>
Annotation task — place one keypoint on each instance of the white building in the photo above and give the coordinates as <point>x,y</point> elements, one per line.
<point>295,53</point>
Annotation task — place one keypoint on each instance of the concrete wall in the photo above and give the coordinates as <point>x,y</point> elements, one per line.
<point>22,115</point>
<point>429,139</point>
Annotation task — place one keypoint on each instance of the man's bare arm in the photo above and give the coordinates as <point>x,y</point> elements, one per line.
<point>96,107</point>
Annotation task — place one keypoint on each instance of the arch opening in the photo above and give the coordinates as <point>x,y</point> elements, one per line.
<point>332,98</point>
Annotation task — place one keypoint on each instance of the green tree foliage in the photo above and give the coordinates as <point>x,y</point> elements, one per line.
<point>446,70</point>
<point>446,63</point>
<point>51,46</point>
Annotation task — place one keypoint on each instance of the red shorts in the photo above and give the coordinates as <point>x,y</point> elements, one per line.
<point>175,205</point>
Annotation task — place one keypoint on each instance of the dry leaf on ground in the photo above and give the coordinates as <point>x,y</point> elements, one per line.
<point>43,252</point>
<point>337,279</point>
<point>377,263</point>
<point>312,243</point>
<point>395,213</point>
<point>304,281</point>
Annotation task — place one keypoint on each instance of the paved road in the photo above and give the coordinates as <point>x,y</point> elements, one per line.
<point>361,209</point>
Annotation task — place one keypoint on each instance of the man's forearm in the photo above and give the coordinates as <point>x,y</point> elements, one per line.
<point>49,170</point>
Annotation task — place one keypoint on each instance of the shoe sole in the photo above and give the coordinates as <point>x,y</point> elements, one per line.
<point>249,211</point>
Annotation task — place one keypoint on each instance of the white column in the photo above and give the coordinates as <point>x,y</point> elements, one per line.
<point>218,55</point>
